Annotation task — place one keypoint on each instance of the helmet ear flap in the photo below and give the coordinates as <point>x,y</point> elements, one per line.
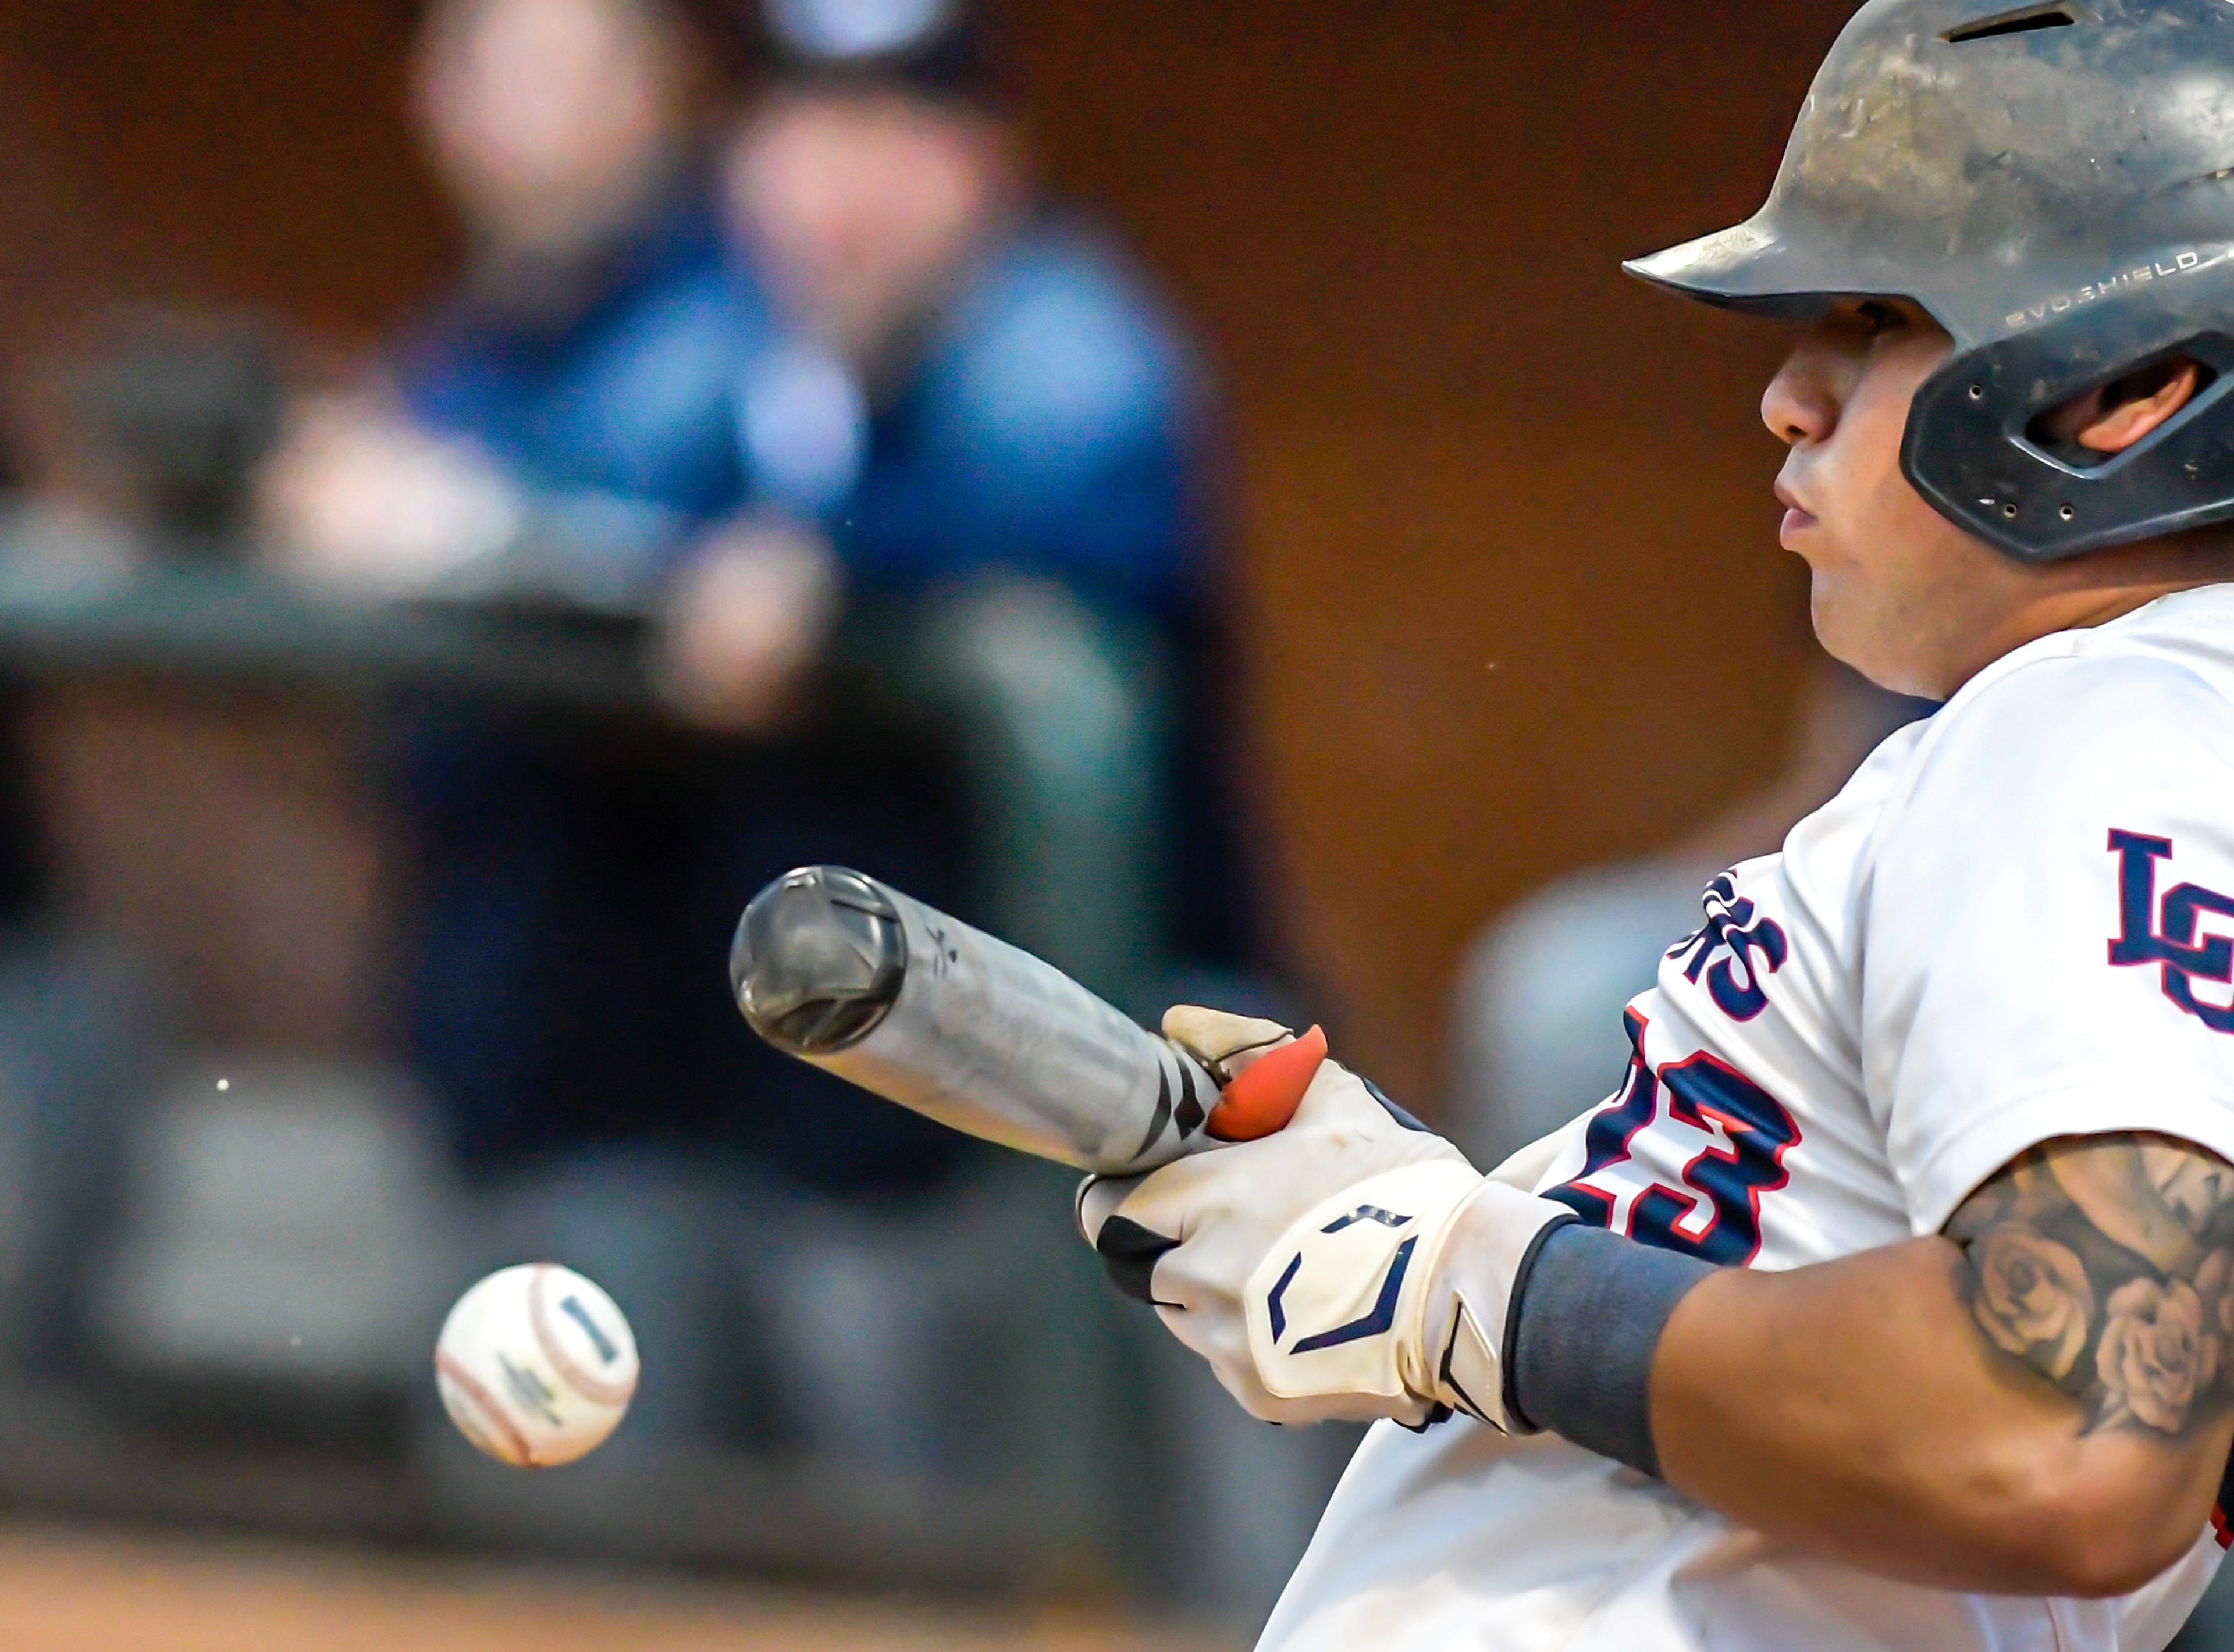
<point>1971,447</point>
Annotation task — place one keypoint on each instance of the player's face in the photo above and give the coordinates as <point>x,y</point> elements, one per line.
<point>1900,593</point>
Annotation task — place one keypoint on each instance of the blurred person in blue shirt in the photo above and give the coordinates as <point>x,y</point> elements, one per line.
<point>833,395</point>
<point>560,421</point>
<point>976,412</point>
<point>839,394</point>
<point>564,428</point>
<point>975,409</point>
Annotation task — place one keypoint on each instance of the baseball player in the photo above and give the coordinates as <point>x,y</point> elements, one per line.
<point>1889,1303</point>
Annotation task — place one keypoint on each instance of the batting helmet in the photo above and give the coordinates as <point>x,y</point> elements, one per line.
<point>2054,183</point>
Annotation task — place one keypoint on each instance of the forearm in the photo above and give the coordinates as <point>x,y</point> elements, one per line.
<point>1853,1408</point>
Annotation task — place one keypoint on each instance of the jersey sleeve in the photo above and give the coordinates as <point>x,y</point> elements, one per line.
<point>2050,925</point>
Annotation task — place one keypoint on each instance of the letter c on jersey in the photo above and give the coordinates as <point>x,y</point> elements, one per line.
<point>2165,933</point>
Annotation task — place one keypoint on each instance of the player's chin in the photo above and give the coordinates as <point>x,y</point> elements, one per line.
<point>1840,611</point>
<point>1861,628</point>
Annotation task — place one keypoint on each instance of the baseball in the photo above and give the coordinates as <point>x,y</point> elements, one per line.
<point>536,1365</point>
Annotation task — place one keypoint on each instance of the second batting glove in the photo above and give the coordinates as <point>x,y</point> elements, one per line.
<point>1309,1268</point>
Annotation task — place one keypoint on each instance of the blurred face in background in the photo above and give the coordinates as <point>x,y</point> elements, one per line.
<point>862,207</point>
<point>554,123</point>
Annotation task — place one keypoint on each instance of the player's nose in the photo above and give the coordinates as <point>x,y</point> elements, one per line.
<point>1798,406</point>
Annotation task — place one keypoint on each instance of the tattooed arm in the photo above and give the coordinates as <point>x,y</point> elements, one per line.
<point>2106,1267</point>
<point>2040,1401</point>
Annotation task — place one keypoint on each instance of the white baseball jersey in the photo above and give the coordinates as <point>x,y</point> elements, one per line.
<point>2016,923</point>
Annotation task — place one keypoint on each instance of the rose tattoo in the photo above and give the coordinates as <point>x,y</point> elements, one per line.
<point>2033,1299</point>
<point>2107,1264</point>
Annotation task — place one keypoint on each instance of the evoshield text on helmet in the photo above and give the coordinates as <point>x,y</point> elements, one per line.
<point>2055,184</point>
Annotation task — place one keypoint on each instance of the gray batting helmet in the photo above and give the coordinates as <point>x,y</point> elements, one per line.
<point>2054,183</point>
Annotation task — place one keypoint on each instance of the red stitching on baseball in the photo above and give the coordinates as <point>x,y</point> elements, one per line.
<point>485,1402</point>
<point>546,1338</point>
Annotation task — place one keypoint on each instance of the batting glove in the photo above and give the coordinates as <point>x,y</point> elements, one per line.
<point>1309,1268</point>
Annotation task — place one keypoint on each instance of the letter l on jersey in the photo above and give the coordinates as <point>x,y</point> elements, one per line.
<point>2164,934</point>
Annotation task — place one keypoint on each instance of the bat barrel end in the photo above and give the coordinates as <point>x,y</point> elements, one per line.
<point>818,960</point>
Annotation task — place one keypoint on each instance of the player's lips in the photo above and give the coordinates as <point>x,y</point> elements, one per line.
<point>1798,518</point>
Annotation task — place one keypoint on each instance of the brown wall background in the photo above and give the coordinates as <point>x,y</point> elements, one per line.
<point>1514,599</point>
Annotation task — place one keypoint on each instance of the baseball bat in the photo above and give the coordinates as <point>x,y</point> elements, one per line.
<point>853,976</point>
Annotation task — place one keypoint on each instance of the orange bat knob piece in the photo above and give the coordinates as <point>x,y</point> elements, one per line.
<point>1264,1098</point>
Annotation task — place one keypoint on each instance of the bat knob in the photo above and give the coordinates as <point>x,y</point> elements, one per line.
<point>818,960</point>
<point>1262,1101</point>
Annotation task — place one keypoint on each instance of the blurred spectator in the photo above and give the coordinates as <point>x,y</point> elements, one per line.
<point>903,426</point>
<point>561,422</point>
<point>973,407</point>
<point>564,429</point>
<point>878,444</point>
<point>1536,1016</point>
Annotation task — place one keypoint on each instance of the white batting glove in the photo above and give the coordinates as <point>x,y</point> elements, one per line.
<point>1307,1267</point>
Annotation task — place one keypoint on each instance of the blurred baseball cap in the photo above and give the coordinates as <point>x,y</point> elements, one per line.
<point>939,48</point>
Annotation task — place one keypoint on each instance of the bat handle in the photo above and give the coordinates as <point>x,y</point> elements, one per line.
<point>1261,1100</point>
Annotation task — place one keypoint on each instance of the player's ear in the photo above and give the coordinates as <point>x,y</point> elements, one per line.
<point>2112,418</point>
